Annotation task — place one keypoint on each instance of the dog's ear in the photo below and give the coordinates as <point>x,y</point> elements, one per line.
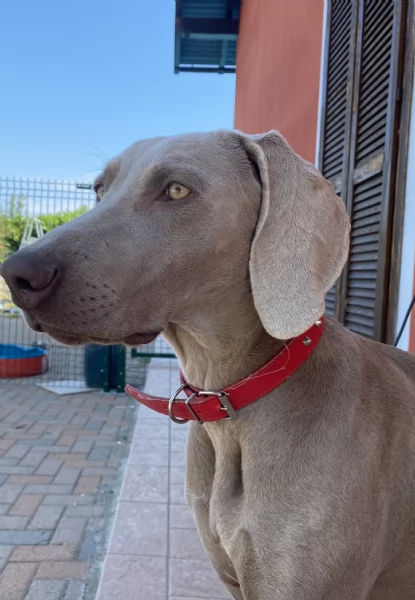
<point>301,240</point>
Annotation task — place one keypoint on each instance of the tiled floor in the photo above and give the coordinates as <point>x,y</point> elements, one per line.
<point>154,551</point>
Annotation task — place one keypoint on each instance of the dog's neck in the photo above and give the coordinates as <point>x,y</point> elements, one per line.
<point>220,344</point>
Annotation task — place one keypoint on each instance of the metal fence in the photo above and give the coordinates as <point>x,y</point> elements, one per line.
<point>27,205</point>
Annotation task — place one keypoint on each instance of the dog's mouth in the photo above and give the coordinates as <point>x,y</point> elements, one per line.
<point>71,339</point>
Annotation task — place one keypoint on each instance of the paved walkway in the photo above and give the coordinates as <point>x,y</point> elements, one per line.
<point>154,551</point>
<point>60,475</point>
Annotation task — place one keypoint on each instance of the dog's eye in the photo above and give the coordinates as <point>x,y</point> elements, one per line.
<point>177,191</point>
<point>99,190</point>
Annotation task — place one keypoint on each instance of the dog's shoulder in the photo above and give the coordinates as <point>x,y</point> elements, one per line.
<point>371,356</point>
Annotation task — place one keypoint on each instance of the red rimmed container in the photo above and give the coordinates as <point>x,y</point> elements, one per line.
<point>18,361</point>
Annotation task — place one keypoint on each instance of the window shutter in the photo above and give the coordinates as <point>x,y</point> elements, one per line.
<point>337,84</point>
<point>364,43</point>
<point>363,299</point>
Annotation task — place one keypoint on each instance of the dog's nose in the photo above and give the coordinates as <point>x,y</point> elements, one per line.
<point>30,279</point>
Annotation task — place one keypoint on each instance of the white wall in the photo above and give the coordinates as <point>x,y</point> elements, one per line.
<point>318,137</point>
<point>406,284</point>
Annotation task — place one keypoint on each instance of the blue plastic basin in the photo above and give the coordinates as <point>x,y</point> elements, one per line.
<point>13,351</point>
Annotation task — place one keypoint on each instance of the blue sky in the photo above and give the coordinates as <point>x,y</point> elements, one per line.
<point>79,75</point>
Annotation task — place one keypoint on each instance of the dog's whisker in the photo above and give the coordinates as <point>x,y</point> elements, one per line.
<point>107,158</point>
<point>91,171</point>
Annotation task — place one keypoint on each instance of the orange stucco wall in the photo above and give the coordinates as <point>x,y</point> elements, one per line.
<point>278,70</point>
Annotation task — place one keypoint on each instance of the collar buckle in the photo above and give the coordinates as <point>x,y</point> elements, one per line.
<point>224,400</point>
<point>222,396</point>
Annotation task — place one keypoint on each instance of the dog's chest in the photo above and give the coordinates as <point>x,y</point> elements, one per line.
<point>224,488</point>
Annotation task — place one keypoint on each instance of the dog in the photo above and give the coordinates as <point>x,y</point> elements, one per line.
<point>227,244</point>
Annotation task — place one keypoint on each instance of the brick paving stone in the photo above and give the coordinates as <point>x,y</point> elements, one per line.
<point>57,450</point>
<point>80,420</point>
<point>67,439</point>
<point>102,409</point>
<point>4,509</point>
<point>5,445</point>
<point>18,470</point>
<point>15,580</point>
<point>9,493</point>
<point>52,434</point>
<point>13,417</point>
<point>26,442</point>
<point>71,455</point>
<point>30,479</point>
<point>5,553</point>
<point>45,590</point>
<point>16,451</point>
<point>100,453</point>
<point>46,517</point>
<point>34,457</point>
<point>62,570</point>
<point>17,436</point>
<point>83,446</point>
<point>38,429</point>
<point>26,505</point>
<point>23,537</point>
<point>50,466</point>
<point>87,485</point>
<point>43,553</point>
<point>94,425</point>
<point>13,522</point>
<point>49,489</point>
<point>69,530</point>
<point>9,462</point>
<point>67,475</point>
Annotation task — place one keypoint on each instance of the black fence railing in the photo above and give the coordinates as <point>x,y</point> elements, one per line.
<point>30,208</point>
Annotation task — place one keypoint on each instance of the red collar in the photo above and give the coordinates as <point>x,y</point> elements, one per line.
<point>203,405</point>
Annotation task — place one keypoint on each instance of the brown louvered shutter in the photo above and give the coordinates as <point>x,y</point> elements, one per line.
<point>363,303</point>
<point>368,140</point>
<point>335,121</point>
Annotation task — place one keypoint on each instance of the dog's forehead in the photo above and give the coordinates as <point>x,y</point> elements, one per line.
<point>198,148</point>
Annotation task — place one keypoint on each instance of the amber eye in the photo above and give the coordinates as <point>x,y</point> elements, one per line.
<point>177,191</point>
<point>99,190</point>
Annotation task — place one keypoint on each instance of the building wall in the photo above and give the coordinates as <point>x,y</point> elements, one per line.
<point>278,70</point>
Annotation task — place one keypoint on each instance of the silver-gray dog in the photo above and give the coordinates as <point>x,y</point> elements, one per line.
<point>227,244</point>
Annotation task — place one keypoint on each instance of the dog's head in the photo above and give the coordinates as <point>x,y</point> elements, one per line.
<point>177,221</point>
